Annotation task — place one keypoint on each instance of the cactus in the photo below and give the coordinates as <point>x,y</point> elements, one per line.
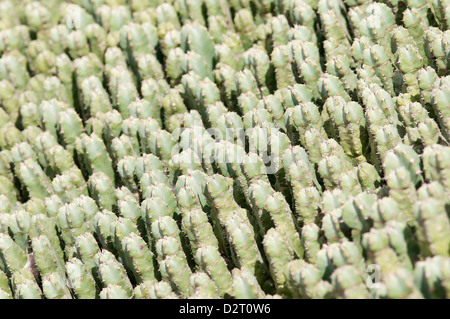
<point>224,149</point>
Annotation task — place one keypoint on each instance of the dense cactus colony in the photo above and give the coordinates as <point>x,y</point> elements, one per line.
<point>224,149</point>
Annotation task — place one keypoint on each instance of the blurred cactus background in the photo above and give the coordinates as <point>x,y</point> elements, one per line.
<point>224,149</point>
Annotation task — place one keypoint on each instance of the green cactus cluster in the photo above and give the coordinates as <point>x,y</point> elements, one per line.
<point>224,149</point>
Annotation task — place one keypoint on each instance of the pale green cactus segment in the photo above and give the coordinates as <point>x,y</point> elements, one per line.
<point>409,61</point>
<point>194,37</point>
<point>10,136</point>
<point>125,168</point>
<point>19,224</point>
<point>113,17</point>
<point>136,40</point>
<point>257,117</point>
<point>16,37</point>
<point>110,271</point>
<point>277,28</point>
<point>102,190</point>
<point>416,118</point>
<point>258,61</point>
<point>162,144</point>
<point>333,226</point>
<point>224,76</point>
<point>356,211</point>
<point>77,44</point>
<point>96,37</point>
<point>121,228</point>
<point>401,189</point>
<point>350,125</point>
<point>258,193</point>
<point>432,225</point>
<point>430,277</point>
<point>245,285</point>
<point>434,160</point>
<point>368,177</point>
<point>281,58</point>
<point>331,168</point>
<point>60,161</point>
<point>163,192</point>
<point>165,226</point>
<point>28,289</point>
<point>95,156</point>
<point>175,270</point>
<point>71,221</point>
<point>330,85</point>
<point>403,156</point>
<point>4,285</point>
<point>283,218</point>
<point>55,286</point>
<point>384,210</point>
<point>244,248</point>
<point>348,283</point>
<point>114,291</point>
<point>34,179</point>
<point>147,162</point>
<point>303,14</point>
<point>246,82</point>
<point>440,13</point>
<point>153,177</point>
<point>301,118</point>
<point>304,281</point>
<point>124,91</point>
<point>54,88</point>
<point>81,279</point>
<point>340,66</point>
<point>435,42</point>
<point>219,192</point>
<point>311,239</point>
<point>13,257</point>
<point>122,147</point>
<point>69,126</point>
<point>279,254</point>
<point>377,99</point>
<point>384,139</point>
<point>415,20</point>
<point>8,190</point>
<point>129,208</point>
<point>45,257</point>
<point>159,290</point>
<point>204,286</point>
<point>440,98</point>
<point>140,257</point>
<point>13,70</point>
<point>433,189</point>
<point>94,97</point>
<point>336,255</point>
<point>152,209</point>
<point>401,240</point>
<point>198,230</point>
<point>166,18</point>
<point>400,285</point>
<point>86,248</point>
<point>10,104</point>
<point>211,262</point>
<point>49,114</point>
<point>103,222</point>
<point>377,246</point>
